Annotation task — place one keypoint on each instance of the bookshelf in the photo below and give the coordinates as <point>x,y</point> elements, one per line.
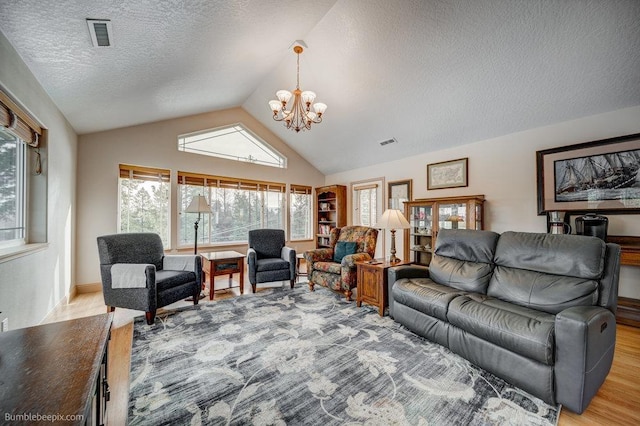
<point>331,212</point>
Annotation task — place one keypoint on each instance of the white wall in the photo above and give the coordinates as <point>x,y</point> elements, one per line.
<point>504,170</point>
<point>31,286</point>
<point>156,145</point>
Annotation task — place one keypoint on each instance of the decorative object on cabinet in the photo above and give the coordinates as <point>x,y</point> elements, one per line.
<point>448,174</point>
<point>399,191</point>
<point>331,204</point>
<point>599,176</point>
<point>393,219</point>
<point>427,216</point>
<point>50,364</point>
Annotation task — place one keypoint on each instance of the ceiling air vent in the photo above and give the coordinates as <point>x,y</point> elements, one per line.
<point>100,30</point>
<point>388,141</point>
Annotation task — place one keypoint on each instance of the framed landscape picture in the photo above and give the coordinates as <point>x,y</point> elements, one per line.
<point>598,176</point>
<point>448,174</point>
<point>398,192</point>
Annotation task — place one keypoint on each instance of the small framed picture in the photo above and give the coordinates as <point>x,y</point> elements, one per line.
<point>398,192</point>
<point>448,174</point>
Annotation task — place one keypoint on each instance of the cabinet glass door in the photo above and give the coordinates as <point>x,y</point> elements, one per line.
<point>452,216</point>
<point>420,233</point>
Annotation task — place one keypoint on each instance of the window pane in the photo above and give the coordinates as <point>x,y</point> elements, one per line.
<point>233,143</point>
<point>300,210</point>
<point>12,187</point>
<point>144,207</point>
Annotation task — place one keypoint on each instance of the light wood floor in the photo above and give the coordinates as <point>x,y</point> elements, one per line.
<point>617,402</point>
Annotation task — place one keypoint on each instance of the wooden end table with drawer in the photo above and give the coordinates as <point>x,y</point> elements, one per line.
<point>216,263</point>
<point>372,283</point>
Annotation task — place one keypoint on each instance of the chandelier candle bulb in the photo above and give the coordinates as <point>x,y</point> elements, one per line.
<point>300,116</point>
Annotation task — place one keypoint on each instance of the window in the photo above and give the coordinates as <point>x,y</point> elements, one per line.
<point>234,142</point>
<point>300,203</point>
<point>365,204</point>
<point>144,200</point>
<point>12,189</point>
<point>237,206</point>
<point>18,132</point>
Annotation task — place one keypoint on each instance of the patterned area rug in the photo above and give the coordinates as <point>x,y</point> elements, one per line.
<point>294,357</point>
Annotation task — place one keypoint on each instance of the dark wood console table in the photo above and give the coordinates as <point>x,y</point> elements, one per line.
<point>628,308</point>
<point>55,373</point>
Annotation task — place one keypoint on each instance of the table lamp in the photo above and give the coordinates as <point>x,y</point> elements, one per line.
<point>198,205</point>
<point>392,219</point>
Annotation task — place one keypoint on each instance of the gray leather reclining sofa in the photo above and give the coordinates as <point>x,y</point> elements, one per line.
<point>537,310</point>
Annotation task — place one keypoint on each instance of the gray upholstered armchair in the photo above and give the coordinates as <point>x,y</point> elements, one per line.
<point>269,259</point>
<point>136,274</point>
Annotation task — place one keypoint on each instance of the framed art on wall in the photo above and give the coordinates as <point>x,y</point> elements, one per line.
<point>448,174</point>
<point>593,176</point>
<point>398,192</point>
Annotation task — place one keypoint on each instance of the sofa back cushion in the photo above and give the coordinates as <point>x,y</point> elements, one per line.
<point>463,259</point>
<point>547,272</point>
<point>140,247</point>
<point>267,243</point>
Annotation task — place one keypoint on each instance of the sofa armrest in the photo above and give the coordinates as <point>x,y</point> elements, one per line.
<point>289,254</point>
<point>396,273</point>
<point>349,261</point>
<point>585,343</point>
<point>252,259</point>
<point>317,255</point>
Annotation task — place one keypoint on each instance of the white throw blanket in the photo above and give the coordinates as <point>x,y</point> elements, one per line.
<point>179,262</point>
<point>129,275</point>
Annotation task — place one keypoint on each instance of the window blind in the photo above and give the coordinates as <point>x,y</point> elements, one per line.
<point>128,171</point>
<point>195,179</point>
<point>300,189</point>
<point>19,122</point>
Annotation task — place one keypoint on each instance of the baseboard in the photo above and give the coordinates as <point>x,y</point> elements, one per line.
<point>86,288</point>
<point>628,311</point>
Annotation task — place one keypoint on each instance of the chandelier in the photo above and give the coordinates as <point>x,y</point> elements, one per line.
<point>300,116</point>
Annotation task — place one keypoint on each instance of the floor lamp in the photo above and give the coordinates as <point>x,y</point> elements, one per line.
<point>392,219</point>
<point>198,205</point>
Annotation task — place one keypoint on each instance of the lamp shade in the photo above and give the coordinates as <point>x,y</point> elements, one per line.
<point>392,219</point>
<point>198,205</point>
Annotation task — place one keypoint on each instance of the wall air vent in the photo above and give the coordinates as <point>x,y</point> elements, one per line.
<point>388,141</point>
<point>100,31</point>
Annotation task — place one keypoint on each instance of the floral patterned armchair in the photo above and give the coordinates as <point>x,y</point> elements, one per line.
<point>341,276</point>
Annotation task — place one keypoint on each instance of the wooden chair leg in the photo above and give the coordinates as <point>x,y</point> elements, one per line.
<point>253,287</point>
<point>111,309</point>
<point>348,294</point>
<point>311,284</point>
<point>151,316</point>
<point>293,283</point>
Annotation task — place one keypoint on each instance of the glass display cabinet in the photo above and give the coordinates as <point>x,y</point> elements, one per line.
<point>427,216</point>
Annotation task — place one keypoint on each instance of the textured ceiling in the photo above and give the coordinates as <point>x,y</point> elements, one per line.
<point>432,73</point>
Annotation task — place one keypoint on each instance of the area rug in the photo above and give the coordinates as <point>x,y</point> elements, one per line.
<point>297,357</point>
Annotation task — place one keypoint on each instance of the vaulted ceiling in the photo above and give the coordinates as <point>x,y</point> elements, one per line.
<point>429,73</point>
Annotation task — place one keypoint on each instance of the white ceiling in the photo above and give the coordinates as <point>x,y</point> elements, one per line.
<point>431,73</point>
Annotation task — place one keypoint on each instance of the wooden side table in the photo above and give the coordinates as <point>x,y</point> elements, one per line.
<point>216,263</point>
<point>372,283</point>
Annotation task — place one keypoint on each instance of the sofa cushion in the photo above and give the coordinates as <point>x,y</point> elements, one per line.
<point>547,272</point>
<point>570,255</point>
<point>344,248</point>
<point>169,279</point>
<point>331,267</point>
<point>521,330</point>
<point>463,259</point>
<point>263,265</point>
<point>424,295</point>
<point>545,292</point>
